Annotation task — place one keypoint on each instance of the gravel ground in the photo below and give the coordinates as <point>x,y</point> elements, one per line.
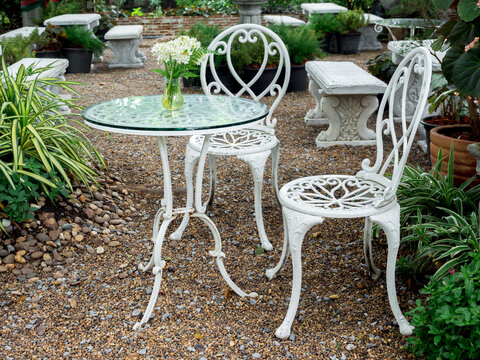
<point>73,290</point>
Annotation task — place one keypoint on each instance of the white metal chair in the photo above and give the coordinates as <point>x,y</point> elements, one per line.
<point>368,194</point>
<point>252,145</point>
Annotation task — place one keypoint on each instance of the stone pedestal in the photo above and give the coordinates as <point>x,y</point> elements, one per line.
<point>249,11</point>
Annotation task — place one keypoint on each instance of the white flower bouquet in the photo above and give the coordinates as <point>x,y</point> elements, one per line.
<point>179,58</point>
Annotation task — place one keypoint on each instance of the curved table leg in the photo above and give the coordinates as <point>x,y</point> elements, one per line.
<point>159,264</point>
<point>219,255</point>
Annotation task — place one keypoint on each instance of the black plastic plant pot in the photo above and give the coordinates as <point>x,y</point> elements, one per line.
<point>348,43</point>
<point>50,54</point>
<point>325,43</point>
<point>263,81</point>
<point>79,60</point>
<point>298,78</point>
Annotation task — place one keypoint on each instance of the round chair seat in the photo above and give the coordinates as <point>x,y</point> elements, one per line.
<point>334,196</point>
<point>239,142</point>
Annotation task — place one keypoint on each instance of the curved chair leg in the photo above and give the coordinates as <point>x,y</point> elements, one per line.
<point>275,161</point>
<point>191,157</point>
<point>367,250</point>
<point>213,181</point>
<point>271,273</point>
<point>390,222</point>
<point>256,162</point>
<point>297,225</point>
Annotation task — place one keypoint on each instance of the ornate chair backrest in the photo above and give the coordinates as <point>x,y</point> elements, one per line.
<point>272,46</point>
<point>415,67</point>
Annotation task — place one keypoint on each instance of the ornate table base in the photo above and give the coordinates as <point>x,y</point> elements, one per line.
<point>166,215</point>
<point>347,116</point>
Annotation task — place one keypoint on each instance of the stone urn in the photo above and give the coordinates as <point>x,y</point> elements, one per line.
<point>387,4</point>
<point>250,10</point>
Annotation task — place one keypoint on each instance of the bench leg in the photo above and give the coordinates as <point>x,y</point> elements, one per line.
<point>347,116</point>
<point>125,53</point>
<point>315,116</point>
<point>368,39</point>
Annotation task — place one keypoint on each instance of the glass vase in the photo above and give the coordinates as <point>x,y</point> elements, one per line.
<point>172,98</point>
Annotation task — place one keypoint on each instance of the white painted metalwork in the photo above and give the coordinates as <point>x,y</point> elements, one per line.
<point>254,144</point>
<point>369,194</point>
<point>144,115</point>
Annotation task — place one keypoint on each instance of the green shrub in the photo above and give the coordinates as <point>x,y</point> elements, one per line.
<point>62,7</point>
<point>37,143</point>
<point>82,37</point>
<point>16,200</point>
<point>16,48</point>
<point>300,41</point>
<point>447,324</point>
<point>251,54</point>
<point>52,38</point>
<point>382,66</point>
<point>324,24</point>
<point>351,21</point>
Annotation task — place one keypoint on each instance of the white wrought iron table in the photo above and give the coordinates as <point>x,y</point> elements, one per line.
<point>200,114</point>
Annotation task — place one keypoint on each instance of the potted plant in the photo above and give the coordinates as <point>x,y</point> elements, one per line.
<point>79,48</point>
<point>249,57</point>
<point>50,42</point>
<point>302,45</point>
<point>447,107</point>
<point>325,27</point>
<point>461,68</point>
<point>348,38</point>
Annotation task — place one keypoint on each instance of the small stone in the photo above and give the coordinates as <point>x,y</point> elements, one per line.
<point>256,356</point>
<point>173,244</point>
<point>50,223</point>
<point>3,268</point>
<point>40,330</point>
<point>142,351</point>
<point>42,237</point>
<point>100,250</point>
<point>47,257</point>
<point>350,347</point>
<point>78,237</point>
<point>123,275</point>
<point>98,196</point>
<point>9,259</point>
<point>67,226</point>
<point>136,313</point>
<point>99,220</point>
<point>114,243</point>
<point>21,252</point>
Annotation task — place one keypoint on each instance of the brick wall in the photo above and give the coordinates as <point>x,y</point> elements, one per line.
<point>171,25</point>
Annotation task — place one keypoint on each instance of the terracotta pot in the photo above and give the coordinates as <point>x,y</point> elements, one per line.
<point>464,165</point>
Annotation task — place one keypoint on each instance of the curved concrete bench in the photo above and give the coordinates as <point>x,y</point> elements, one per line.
<point>124,41</point>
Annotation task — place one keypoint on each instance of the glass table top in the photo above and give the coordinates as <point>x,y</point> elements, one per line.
<point>200,114</point>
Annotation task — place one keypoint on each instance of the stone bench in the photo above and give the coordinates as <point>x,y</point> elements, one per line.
<point>124,41</point>
<point>368,39</point>
<point>321,8</point>
<point>283,19</point>
<point>25,31</point>
<point>346,96</point>
<point>57,70</point>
